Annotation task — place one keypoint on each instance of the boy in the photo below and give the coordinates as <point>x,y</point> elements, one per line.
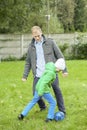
<point>43,89</point>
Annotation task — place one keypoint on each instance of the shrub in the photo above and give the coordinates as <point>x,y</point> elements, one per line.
<point>64,47</point>
<point>10,58</point>
<point>79,51</point>
<point>65,50</point>
<point>23,57</point>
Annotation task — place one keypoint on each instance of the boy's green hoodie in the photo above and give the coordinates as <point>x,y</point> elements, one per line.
<point>44,83</point>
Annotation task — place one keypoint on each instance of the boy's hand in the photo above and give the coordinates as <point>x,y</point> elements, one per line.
<point>23,79</point>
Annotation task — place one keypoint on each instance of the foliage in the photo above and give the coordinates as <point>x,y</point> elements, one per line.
<point>23,57</point>
<point>64,47</point>
<point>14,95</point>
<point>79,51</point>
<point>75,51</point>
<point>15,15</point>
<point>9,58</point>
<point>18,16</point>
<point>66,14</point>
<point>54,26</point>
<point>80,17</point>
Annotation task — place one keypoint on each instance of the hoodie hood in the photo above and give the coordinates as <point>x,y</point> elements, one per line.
<point>50,67</point>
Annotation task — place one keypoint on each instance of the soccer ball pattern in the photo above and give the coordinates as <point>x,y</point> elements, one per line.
<point>59,116</point>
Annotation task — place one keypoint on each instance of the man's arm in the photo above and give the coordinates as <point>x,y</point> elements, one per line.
<point>58,54</point>
<point>27,67</point>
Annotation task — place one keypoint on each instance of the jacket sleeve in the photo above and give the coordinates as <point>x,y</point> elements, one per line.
<point>27,65</point>
<point>41,89</point>
<point>58,54</point>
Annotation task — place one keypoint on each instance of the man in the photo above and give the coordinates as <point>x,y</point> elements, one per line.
<point>40,52</point>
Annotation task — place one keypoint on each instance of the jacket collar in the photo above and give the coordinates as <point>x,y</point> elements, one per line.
<point>33,40</point>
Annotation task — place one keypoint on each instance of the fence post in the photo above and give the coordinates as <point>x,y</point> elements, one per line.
<point>21,44</point>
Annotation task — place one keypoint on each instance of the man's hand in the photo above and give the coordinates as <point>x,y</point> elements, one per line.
<point>65,74</point>
<point>23,79</point>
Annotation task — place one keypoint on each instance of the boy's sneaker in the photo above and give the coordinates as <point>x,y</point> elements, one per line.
<point>20,117</point>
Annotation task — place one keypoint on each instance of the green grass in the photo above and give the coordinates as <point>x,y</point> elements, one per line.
<point>15,94</point>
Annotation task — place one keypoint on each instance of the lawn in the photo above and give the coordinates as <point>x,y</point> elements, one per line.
<point>15,94</point>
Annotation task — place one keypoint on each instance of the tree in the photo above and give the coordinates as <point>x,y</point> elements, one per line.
<point>18,16</point>
<point>64,10</point>
<point>15,15</point>
<point>80,18</point>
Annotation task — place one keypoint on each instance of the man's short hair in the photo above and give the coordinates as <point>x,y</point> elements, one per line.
<point>35,28</point>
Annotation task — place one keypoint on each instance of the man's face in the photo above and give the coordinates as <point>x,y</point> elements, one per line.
<point>37,35</point>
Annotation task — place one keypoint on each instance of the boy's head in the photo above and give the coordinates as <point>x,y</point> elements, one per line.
<point>60,64</point>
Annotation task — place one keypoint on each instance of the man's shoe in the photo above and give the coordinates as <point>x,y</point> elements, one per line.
<point>48,120</point>
<point>20,117</point>
<point>42,109</point>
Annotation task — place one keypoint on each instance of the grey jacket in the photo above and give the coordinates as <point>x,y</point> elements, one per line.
<point>51,54</point>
